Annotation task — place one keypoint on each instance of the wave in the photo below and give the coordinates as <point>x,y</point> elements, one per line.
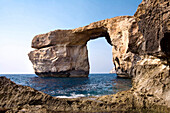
<point>73,95</point>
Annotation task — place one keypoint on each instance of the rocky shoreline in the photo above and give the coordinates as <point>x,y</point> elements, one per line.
<point>18,98</point>
<point>140,50</point>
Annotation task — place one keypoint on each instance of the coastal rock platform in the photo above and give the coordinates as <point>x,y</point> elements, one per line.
<point>19,99</point>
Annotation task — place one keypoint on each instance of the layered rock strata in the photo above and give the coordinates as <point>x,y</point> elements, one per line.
<point>63,53</point>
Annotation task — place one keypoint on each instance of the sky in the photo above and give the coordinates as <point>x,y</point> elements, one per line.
<point>21,20</point>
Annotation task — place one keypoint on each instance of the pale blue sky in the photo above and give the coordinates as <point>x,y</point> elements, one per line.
<point>21,20</point>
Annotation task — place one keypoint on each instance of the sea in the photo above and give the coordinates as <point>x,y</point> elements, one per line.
<point>94,85</point>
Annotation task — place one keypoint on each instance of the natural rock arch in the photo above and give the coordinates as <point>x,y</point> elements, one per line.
<point>100,56</point>
<point>146,52</point>
<point>63,53</point>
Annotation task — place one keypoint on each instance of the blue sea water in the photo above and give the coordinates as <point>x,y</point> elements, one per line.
<point>94,85</point>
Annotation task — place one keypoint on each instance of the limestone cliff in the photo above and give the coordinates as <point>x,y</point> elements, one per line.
<point>151,73</point>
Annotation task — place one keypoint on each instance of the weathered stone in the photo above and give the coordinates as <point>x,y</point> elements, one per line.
<point>60,61</point>
<point>63,53</point>
<point>151,72</point>
<point>153,19</point>
<point>17,98</point>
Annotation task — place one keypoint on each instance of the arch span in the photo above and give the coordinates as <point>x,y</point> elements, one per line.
<point>63,53</point>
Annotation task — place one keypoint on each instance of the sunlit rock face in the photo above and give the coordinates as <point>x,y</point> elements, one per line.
<point>151,72</point>
<point>63,53</point>
<point>153,18</point>
<point>60,61</point>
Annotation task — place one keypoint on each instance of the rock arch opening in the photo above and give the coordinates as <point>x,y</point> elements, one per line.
<point>100,55</point>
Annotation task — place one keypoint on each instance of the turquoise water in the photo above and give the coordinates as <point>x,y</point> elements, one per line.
<point>94,85</point>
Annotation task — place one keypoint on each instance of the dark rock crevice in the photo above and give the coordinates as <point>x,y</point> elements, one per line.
<point>165,44</point>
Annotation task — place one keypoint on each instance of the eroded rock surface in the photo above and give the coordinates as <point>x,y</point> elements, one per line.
<point>63,53</point>
<point>18,99</point>
<point>151,72</point>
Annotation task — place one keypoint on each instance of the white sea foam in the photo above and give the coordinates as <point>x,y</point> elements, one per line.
<point>73,95</point>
